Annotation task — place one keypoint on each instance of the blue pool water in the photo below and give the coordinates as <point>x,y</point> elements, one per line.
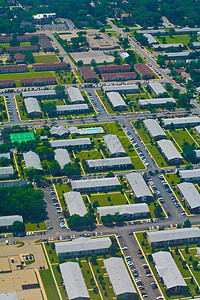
<point>91,130</point>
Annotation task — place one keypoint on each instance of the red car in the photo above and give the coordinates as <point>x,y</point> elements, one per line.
<point>130,233</point>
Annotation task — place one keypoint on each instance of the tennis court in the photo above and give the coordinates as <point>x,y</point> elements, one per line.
<point>21,137</point>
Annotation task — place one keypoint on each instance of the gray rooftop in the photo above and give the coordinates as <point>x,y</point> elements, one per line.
<point>9,220</point>
<point>95,183</point>
<point>156,102</point>
<point>72,107</point>
<point>197,128</point>
<point>166,46</point>
<point>154,128</point>
<point>62,157</point>
<point>70,142</point>
<point>113,144</point>
<point>197,152</point>
<point>127,209</point>
<point>38,93</point>
<point>177,54</point>
<point>169,149</point>
<point>168,270</point>
<point>6,155</point>
<point>190,194</point>
<point>196,44</point>
<point>32,160</point>
<point>75,203</point>
<point>6,170</point>
<point>119,276</point>
<point>190,174</point>
<point>73,130</point>
<point>152,31</point>
<point>181,121</point>
<point>59,130</point>
<point>109,162</point>
<point>138,185</point>
<point>150,38</point>
<point>9,296</point>
<point>157,88</point>
<point>32,105</point>
<point>116,99</point>
<point>73,280</point>
<point>75,95</point>
<point>120,88</point>
<point>186,29</point>
<point>83,244</point>
<point>173,234</point>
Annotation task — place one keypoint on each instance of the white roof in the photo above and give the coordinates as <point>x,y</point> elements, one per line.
<point>41,93</point>
<point>9,296</point>
<point>83,244</point>
<point>157,88</point>
<point>75,203</point>
<point>72,107</point>
<point>152,31</point>
<point>73,280</point>
<point>157,101</point>
<point>109,162</point>
<point>181,121</point>
<point>168,270</point>
<point>198,129</point>
<point>119,276</point>
<point>120,88</point>
<point>62,157</point>
<point>189,174</point>
<point>186,29</point>
<point>58,130</point>
<point>154,128</point>
<point>138,185</point>
<point>127,209</point>
<point>6,155</point>
<point>9,220</point>
<point>73,130</point>
<point>114,145</point>
<point>197,153</point>
<point>190,194</point>
<point>92,183</point>
<point>70,142</point>
<point>75,95</point>
<point>150,38</point>
<point>6,170</point>
<point>32,105</point>
<point>116,99</point>
<point>166,46</point>
<point>169,149</point>
<point>177,54</point>
<point>32,160</point>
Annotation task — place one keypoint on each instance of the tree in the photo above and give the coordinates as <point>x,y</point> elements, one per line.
<point>34,40</point>
<point>192,280</point>
<point>110,174</point>
<point>187,224</point>
<point>75,221</point>
<point>113,249</point>
<point>4,161</point>
<point>186,249</point>
<point>95,204</point>
<point>72,169</point>
<point>18,227</point>
<point>93,62</point>
<point>107,220</point>
<point>50,109</point>
<point>195,264</point>
<point>60,91</point>
<point>158,211</point>
<point>88,219</point>
<point>31,173</point>
<point>55,168</point>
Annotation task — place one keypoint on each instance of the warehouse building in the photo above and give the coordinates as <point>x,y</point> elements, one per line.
<point>150,39</point>
<point>75,95</point>
<point>82,143</point>
<point>32,107</point>
<point>139,187</point>
<point>120,278</point>
<point>95,185</point>
<point>73,281</point>
<point>72,108</point>
<point>168,272</point>
<point>6,172</point>
<point>128,211</point>
<point>83,246</point>
<point>158,102</point>
<point>122,89</point>
<point>75,203</point>
<point>32,160</point>
<point>59,131</point>
<point>62,157</point>
<point>190,175</point>
<point>114,145</point>
<point>157,88</point>
<point>154,129</point>
<point>164,47</point>
<point>170,152</point>
<point>116,101</point>
<point>109,163</point>
<point>43,94</point>
<point>144,71</point>
<point>166,238</point>
<point>190,195</point>
<point>7,221</point>
<point>181,122</point>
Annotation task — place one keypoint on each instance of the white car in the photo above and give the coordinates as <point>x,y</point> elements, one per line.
<point>124,248</point>
<point>160,297</point>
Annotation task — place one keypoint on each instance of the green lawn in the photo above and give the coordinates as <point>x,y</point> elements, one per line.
<point>3,112</point>
<point>181,136</point>
<point>64,188</point>
<point>115,198</point>
<point>64,77</point>
<point>78,74</point>
<point>183,39</point>
<point>39,59</point>
<point>35,226</point>
<point>87,155</point>
<point>49,284</point>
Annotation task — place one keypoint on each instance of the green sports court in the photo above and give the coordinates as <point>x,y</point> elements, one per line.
<point>22,137</point>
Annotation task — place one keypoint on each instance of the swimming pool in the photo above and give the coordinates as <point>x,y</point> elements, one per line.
<point>91,130</point>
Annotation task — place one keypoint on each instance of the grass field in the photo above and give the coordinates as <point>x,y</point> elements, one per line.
<point>108,199</point>
<point>182,136</point>
<point>22,137</point>
<point>46,58</point>
<point>3,112</point>
<point>35,227</point>
<point>183,39</point>
<point>49,284</point>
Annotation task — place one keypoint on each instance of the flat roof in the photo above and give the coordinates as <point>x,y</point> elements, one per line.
<point>92,183</point>
<point>119,276</point>
<point>6,155</point>
<point>157,88</point>
<point>152,31</point>
<point>38,93</point>
<point>169,149</point>
<point>127,209</point>
<point>113,144</point>
<point>120,88</point>
<point>166,46</point>
<point>157,101</point>
<point>72,107</point>
<point>138,185</point>
<point>106,162</point>
<point>181,121</point>
<point>59,130</point>
<point>32,105</point>
<point>6,170</point>
<point>198,129</point>
<point>189,174</point>
<point>115,98</point>
<point>75,203</point>
<point>186,29</point>
<point>154,128</point>
<point>75,95</point>
<point>177,54</point>
<point>168,270</point>
<point>150,38</point>
<point>9,220</point>
<point>62,157</point>
<point>190,194</point>
<point>32,160</point>
<point>70,142</point>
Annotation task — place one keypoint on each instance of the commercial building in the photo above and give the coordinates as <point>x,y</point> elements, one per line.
<point>158,102</point>
<point>75,95</point>
<point>13,69</point>
<point>44,18</point>
<point>114,145</point>
<point>190,195</point>
<point>72,108</point>
<point>120,278</point>
<point>49,67</point>
<point>96,185</point>
<point>62,157</point>
<point>7,83</point>
<point>73,281</point>
<point>32,107</point>
<point>7,221</point>
<point>164,47</point>
<point>32,160</point>
<point>109,163</point>
<point>59,131</point>
<point>150,39</point>
<point>83,246</point>
<point>166,238</point>
<point>6,172</point>
<point>82,143</point>
<point>114,68</point>
<point>157,88</point>
<point>75,203</point>
<point>43,94</point>
<point>170,152</point>
<point>139,187</point>
<point>38,81</point>
<point>119,76</point>
<point>154,129</point>
<point>128,211</point>
<point>87,74</point>
<point>122,89</point>
<point>181,122</point>
<point>168,272</point>
<point>116,101</point>
<point>144,71</point>
<point>190,175</point>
